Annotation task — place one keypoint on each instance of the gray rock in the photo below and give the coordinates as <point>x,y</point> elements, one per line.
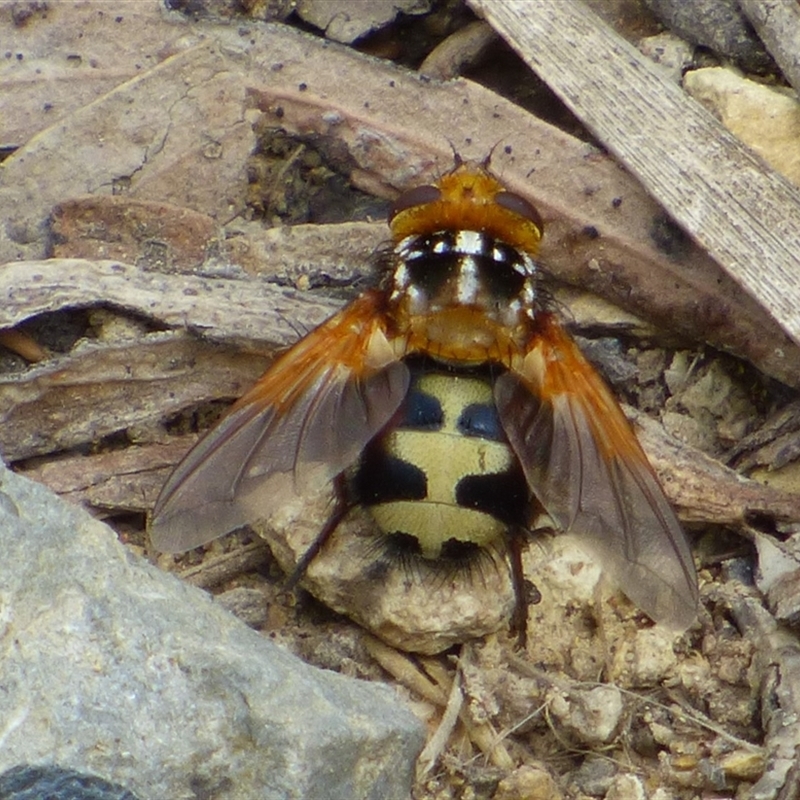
<point>55,783</point>
<point>593,777</point>
<point>719,25</point>
<point>111,667</point>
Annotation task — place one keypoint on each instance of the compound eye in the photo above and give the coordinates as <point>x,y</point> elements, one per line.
<point>520,206</point>
<point>419,196</point>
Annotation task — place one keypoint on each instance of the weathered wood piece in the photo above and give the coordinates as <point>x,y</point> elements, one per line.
<point>777,23</point>
<point>745,215</point>
<point>249,313</point>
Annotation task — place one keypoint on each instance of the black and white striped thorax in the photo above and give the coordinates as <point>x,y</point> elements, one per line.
<point>470,268</point>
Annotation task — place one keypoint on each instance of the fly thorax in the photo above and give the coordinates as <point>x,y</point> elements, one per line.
<point>464,269</point>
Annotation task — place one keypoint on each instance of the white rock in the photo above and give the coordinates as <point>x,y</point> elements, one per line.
<point>626,787</point>
<point>416,607</point>
<point>672,53</point>
<point>591,716</point>
<point>646,659</point>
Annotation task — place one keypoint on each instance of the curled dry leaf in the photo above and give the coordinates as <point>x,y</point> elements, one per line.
<point>159,237</point>
<point>226,310</point>
<point>101,389</point>
<point>151,235</point>
<point>146,378</point>
<point>128,479</point>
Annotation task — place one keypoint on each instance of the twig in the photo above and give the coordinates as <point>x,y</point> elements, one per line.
<point>777,22</point>
<point>777,661</point>
<point>745,215</point>
<point>448,59</point>
<point>216,570</point>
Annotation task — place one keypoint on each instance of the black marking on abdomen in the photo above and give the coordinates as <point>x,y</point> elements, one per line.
<point>421,411</point>
<point>502,495</point>
<point>442,480</point>
<point>381,478</point>
<point>481,420</point>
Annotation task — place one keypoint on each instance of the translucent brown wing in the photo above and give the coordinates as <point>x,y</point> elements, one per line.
<point>307,419</point>
<point>584,464</point>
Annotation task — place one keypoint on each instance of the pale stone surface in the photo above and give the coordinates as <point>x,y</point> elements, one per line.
<point>591,715</point>
<point>647,659</point>
<point>417,607</point>
<point>345,21</point>
<point>626,787</point>
<point>766,118</point>
<point>673,54</point>
<point>111,667</point>
<point>527,782</point>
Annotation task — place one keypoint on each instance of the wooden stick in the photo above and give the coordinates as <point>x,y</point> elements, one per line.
<point>777,23</point>
<point>745,215</point>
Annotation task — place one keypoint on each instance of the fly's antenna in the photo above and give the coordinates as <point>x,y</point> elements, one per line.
<point>487,162</point>
<point>458,160</point>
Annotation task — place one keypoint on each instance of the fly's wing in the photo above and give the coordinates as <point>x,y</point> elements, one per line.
<point>307,419</point>
<point>585,465</point>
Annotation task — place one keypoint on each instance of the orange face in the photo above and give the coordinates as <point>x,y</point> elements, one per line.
<point>468,199</point>
<point>460,341</point>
